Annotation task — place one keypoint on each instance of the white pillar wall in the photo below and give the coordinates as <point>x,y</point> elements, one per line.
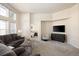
<point>25,24</point>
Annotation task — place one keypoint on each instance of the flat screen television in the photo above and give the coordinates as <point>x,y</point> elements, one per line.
<point>59,28</point>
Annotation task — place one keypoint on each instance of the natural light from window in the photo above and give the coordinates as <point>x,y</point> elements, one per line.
<point>3,27</point>
<point>7,21</point>
<point>4,11</point>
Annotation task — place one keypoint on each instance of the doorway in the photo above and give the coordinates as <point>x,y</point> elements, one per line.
<point>46,29</point>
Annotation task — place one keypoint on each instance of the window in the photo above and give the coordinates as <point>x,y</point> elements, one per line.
<point>3,27</point>
<point>12,27</point>
<point>4,11</point>
<point>7,25</point>
<point>13,16</point>
<point>12,22</point>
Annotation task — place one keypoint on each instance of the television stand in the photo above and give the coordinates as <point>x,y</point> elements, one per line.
<point>58,37</point>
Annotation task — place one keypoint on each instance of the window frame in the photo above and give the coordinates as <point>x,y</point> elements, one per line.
<point>6,26</point>
<point>6,10</point>
<point>9,19</point>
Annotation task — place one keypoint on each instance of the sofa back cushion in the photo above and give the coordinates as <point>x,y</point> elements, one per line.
<point>13,36</point>
<point>7,39</point>
<point>2,39</point>
<point>2,42</point>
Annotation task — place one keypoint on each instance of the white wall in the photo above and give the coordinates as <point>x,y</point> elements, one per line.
<point>72,24</point>
<point>36,19</point>
<point>18,25</point>
<point>24,25</point>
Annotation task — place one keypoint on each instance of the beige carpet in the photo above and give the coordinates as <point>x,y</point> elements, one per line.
<point>53,48</point>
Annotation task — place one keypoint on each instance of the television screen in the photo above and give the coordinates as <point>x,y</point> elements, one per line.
<point>60,28</point>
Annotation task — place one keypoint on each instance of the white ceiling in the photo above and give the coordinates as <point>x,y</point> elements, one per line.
<point>41,7</point>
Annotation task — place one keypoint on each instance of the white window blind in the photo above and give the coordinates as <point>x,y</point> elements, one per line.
<point>3,27</point>
<point>7,26</point>
<point>4,11</point>
<point>12,27</point>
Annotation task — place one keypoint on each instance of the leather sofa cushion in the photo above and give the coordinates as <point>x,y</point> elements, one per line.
<point>7,39</point>
<point>2,42</point>
<point>2,38</point>
<point>13,36</point>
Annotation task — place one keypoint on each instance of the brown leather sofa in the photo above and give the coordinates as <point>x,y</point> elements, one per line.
<point>11,40</point>
<point>15,41</point>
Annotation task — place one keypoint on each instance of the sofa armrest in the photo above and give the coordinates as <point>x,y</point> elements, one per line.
<point>16,43</point>
<point>19,50</point>
<point>19,37</point>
